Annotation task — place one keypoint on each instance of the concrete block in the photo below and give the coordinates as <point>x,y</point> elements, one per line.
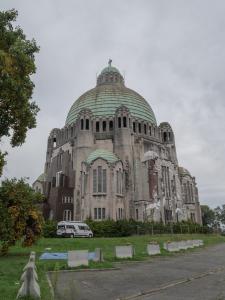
<point>195,243</point>
<point>201,242</point>
<point>29,286</point>
<point>190,244</point>
<point>78,258</point>
<point>124,251</point>
<point>153,249</point>
<point>98,255</point>
<point>23,277</point>
<point>165,246</point>
<point>30,264</point>
<point>182,245</point>
<point>32,256</point>
<point>172,247</point>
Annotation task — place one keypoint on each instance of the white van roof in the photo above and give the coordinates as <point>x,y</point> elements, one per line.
<point>71,222</point>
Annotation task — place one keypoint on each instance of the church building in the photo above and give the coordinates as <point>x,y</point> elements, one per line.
<point>112,160</point>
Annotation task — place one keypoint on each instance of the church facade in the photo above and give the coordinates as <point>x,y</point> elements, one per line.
<point>112,160</point>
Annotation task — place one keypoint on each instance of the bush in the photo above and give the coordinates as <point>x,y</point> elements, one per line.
<point>110,228</point>
<point>49,229</point>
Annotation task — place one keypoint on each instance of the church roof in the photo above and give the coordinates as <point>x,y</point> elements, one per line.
<point>41,178</point>
<point>109,94</point>
<point>104,154</point>
<point>110,69</point>
<point>183,171</point>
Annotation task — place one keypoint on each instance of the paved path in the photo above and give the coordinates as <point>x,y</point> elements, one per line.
<point>196,275</point>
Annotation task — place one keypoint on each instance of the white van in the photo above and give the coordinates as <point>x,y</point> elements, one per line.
<point>73,229</point>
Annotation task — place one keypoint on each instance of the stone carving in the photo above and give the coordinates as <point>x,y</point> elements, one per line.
<point>29,279</point>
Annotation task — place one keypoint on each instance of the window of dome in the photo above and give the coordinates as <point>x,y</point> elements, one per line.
<point>145,129</point>
<point>124,121</point>
<point>139,127</point>
<point>81,124</point>
<point>97,126</point>
<point>87,124</point>
<point>104,126</point>
<point>119,122</point>
<point>110,125</point>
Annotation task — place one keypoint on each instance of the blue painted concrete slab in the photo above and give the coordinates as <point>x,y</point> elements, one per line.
<point>62,255</point>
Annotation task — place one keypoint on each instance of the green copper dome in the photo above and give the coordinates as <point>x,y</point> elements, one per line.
<point>104,154</point>
<point>109,94</point>
<point>110,69</point>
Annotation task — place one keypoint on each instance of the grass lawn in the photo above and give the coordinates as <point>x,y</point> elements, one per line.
<point>12,265</point>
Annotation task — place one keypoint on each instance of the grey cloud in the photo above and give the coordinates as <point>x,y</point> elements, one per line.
<point>172,53</point>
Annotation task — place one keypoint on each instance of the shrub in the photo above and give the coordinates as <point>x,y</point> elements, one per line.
<point>49,229</point>
<point>110,228</point>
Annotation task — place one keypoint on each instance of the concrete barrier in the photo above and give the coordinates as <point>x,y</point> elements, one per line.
<point>98,255</point>
<point>190,244</point>
<point>29,279</point>
<point>153,249</point>
<point>124,251</point>
<point>77,258</point>
<point>171,246</point>
<point>201,242</point>
<point>182,245</point>
<point>195,243</point>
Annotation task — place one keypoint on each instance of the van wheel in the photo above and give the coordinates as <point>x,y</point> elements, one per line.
<point>72,235</point>
<point>90,236</point>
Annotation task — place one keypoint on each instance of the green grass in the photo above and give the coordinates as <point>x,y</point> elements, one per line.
<point>11,266</point>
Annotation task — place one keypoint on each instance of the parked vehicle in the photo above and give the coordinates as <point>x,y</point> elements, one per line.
<point>73,229</point>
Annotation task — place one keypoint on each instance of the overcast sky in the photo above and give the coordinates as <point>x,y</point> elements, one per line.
<point>171,52</point>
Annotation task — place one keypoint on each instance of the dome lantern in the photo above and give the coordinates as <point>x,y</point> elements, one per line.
<point>110,75</point>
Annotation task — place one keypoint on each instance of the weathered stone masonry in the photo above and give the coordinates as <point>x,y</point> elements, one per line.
<point>112,160</point>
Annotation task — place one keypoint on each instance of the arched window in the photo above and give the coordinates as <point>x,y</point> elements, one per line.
<point>150,130</point>
<point>119,122</point>
<point>139,127</point>
<point>87,124</point>
<point>119,182</point>
<point>67,215</point>
<point>124,121</point>
<point>104,126</point>
<point>111,125</point>
<point>192,194</point>
<point>164,136</point>
<point>54,142</point>
<point>134,127</point>
<point>81,124</point>
<point>137,214</point>
<point>99,180</point>
<point>97,126</point>
<point>145,129</point>
<point>120,213</point>
<point>185,193</point>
